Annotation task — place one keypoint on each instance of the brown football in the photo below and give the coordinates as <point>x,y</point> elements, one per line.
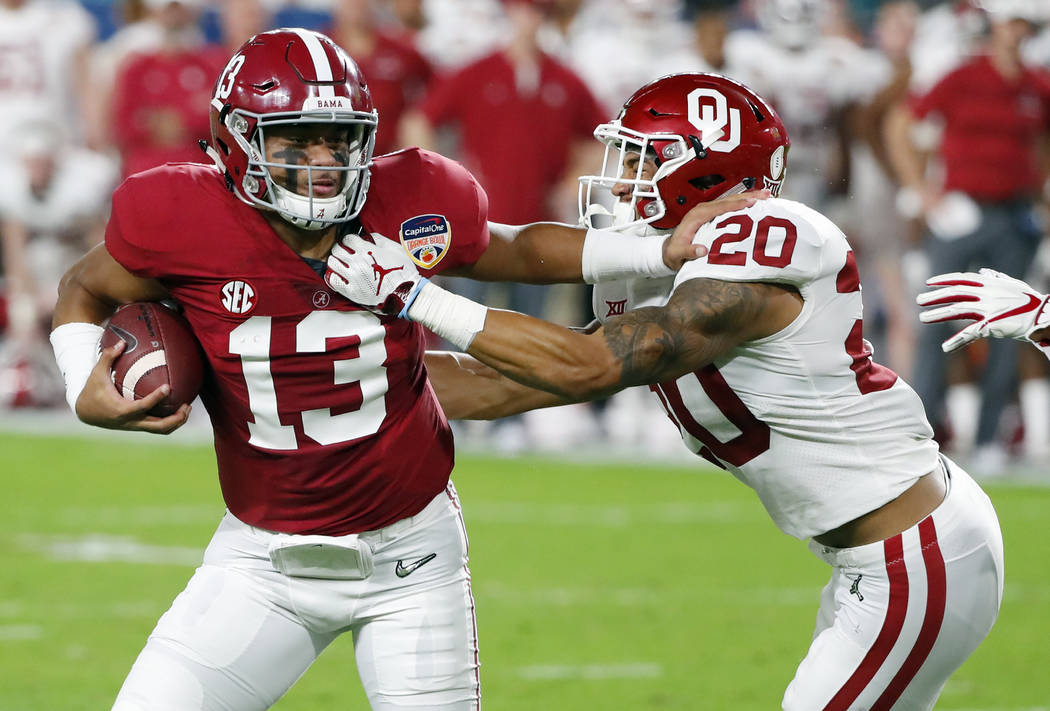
<point>161,348</point>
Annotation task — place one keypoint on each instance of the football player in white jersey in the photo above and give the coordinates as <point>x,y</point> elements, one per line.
<point>999,306</point>
<point>757,353</point>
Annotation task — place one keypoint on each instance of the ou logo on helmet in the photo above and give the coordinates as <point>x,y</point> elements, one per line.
<point>711,118</point>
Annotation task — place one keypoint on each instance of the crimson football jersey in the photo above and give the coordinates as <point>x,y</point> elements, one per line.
<point>324,420</point>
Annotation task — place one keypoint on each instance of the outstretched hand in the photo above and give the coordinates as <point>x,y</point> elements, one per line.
<point>999,305</point>
<point>377,275</point>
<point>679,247</point>
<point>101,404</point>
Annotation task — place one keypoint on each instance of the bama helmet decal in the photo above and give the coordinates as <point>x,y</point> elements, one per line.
<point>426,239</point>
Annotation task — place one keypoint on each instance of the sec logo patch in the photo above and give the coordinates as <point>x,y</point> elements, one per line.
<point>426,238</point>
<point>238,297</point>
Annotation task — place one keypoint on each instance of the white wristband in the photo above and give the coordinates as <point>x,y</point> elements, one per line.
<point>610,255</point>
<point>76,347</point>
<point>453,317</point>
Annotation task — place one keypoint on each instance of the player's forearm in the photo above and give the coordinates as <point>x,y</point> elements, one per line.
<point>538,253</point>
<point>96,285</point>
<point>76,303</point>
<point>553,253</point>
<point>470,390</point>
<point>528,350</point>
<point>547,357</point>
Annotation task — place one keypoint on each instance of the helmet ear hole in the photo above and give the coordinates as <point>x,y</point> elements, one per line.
<point>706,182</point>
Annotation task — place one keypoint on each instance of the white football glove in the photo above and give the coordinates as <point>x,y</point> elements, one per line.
<point>377,275</point>
<point>999,305</point>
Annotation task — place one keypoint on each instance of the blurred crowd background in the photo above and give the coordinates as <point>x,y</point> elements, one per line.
<point>920,127</point>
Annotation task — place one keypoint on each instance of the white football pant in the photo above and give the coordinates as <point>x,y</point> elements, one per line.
<point>899,616</point>
<point>242,633</point>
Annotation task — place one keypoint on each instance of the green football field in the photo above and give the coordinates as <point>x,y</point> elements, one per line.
<point>598,586</point>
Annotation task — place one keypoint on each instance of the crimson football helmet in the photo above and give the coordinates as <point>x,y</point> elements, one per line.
<point>708,136</point>
<point>291,76</point>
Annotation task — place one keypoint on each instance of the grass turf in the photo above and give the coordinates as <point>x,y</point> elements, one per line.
<point>598,586</point>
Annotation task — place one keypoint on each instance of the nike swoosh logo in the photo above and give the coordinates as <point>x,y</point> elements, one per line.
<point>1034,302</point>
<point>403,571</point>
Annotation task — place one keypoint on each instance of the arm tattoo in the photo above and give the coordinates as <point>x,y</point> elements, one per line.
<point>703,318</point>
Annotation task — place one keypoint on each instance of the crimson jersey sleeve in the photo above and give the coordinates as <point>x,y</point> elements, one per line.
<point>135,236</point>
<point>432,205</point>
<point>140,233</point>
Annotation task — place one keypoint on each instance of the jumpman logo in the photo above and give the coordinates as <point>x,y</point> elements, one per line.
<point>380,272</point>
<point>855,588</point>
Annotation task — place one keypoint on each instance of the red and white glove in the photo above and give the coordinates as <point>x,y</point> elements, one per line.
<point>999,305</point>
<point>381,277</point>
<point>377,275</point>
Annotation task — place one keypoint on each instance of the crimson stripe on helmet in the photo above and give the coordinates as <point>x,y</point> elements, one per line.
<point>891,628</point>
<point>322,65</point>
<point>936,590</point>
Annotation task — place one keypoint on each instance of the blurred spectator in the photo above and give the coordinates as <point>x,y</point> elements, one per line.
<point>881,238</point>
<point>139,32</point>
<point>525,124</point>
<point>241,19</point>
<point>712,20</point>
<point>160,97</point>
<point>620,45</point>
<point>811,79</point>
<point>43,46</point>
<point>984,122</point>
<point>523,119</point>
<point>459,31</point>
<point>408,15</point>
<point>947,34</point>
<point>53,199</point>
<point>397,74</point>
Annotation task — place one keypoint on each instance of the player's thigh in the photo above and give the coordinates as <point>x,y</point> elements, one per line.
<point>224,644</point>
<point>417,644</point>
<point>901,630</point>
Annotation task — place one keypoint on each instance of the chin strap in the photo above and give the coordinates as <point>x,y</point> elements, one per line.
<point>213,154</point>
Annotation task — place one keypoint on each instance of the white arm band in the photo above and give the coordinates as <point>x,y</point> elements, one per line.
<point>76,348</point>
<point>609,255</point>
<point>453,317</point>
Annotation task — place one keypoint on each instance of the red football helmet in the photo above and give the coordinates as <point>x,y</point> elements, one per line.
<point>707,135</point>
<point>291,76</point>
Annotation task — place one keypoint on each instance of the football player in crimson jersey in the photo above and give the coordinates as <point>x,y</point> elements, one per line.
<point>333,453</point>
<point>756,351</point>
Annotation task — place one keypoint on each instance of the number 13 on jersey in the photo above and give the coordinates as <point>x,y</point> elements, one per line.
<point>251,340</point>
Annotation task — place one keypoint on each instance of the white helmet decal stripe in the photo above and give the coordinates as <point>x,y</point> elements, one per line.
<point>321,65</point>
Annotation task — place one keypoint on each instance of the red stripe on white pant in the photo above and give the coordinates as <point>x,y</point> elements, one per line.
<point>894,623</point>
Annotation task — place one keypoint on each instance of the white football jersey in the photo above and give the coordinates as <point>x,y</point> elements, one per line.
<point>805,417</point>
<point>39,42</point>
